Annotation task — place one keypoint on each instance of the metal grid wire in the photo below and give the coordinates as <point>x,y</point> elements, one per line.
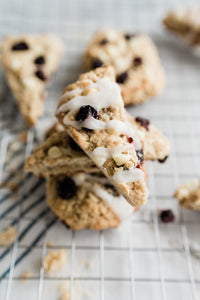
<point>143,259</point>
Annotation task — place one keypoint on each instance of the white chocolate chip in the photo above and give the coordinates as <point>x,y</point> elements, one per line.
<point>100,160</point>
<point>121,158</point>
<point>54,152</point>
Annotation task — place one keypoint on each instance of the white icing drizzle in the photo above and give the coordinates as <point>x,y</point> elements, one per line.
<point>127,176</point>
<point>107,94</point>
<point>119,205</point>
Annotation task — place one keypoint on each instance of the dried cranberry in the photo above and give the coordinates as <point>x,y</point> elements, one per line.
<point>103,42</point>
<point>86,111</point>
<point>96,63</point>
<point>66,187</point>
<point>130,139</point>
<point>140,155</point>
<point>129,36</point>
<point>137,61</point>
<point>121,78</point>
<point>74,145</point>
<point>163,160</point>
<point>40,60</point>
<point>113,189</point>
<point>40,75</point>
<point>20,46</point>
<point>167,216</point>
<point>143,122</point>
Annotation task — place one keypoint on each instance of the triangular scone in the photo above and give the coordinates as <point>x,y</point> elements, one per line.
<point>185,23</point>
<point>135,59</point>
<point>29,62</point>
<point>188,194</point>
<point>92,111</point>
<point>59,154</point>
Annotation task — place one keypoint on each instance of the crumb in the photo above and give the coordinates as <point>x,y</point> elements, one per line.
<point>10,185</point>
<point>89,264</point>
<point>86,295</point>
<point>64,292</point>
<point>7,237</point>
<point>25,275</point>
<point>167,216</point>
<point>49,244</point>
<point>23,136</point>
<point>54,261</point>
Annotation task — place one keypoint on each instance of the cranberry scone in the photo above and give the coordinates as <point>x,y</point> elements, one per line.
<point>29,61</point>
<point>86,201</point>
<point>135,59</point>
<point>92,112</point>
<point>185,23</point>
<point>188,194</point>
<point>59,154</point>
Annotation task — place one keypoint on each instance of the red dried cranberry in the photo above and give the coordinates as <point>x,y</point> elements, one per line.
<point>140,155</point>
<point>40,60</point>
<point>163,160</point>
<point>144,122</point>
<point>121,78</point>
<point>74,145</point>
<point>66,187</point>
<point>96,63</point>
<point>129,36</point>
<point>86,111</point>
<point>137,61</point>
<point>167,216</point>
<point>20,46</point>
<point>103,42</point>
<point>130,139</point>
<point>40,75</point>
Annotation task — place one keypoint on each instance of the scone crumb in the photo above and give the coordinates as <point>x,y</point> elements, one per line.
<point>23,136</point>
<point>49,244</point>
<point>7,237</point>
<point>10,185</point>
<point>64,292</point>
<point>26,275</point>
<point>54,261</point>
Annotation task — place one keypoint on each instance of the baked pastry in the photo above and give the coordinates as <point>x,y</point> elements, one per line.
<point>185,23</point>
<point>135,60</point>
<point>92,112</point>
<point>86,201</point>
<point>188,194</point>
<point>29,62</point>
<point>59,154</point>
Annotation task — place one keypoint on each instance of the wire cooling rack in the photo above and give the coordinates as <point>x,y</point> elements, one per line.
<point>143,259</point>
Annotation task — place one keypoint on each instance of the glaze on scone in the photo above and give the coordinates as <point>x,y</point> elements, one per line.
<point>135,60</point>
<point>29,62</point>
<point>86,201</point>
<point>188,194</point>
<point>93,114</point>
<point>185,22</point>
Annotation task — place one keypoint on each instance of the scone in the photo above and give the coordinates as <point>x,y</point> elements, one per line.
<point>59,154</point>
<point>185,22</point>
<point>188,194</point>
<point>86,201</point>
<point>135,59</point>
<point>92,112</point>
<point>29,62</point>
